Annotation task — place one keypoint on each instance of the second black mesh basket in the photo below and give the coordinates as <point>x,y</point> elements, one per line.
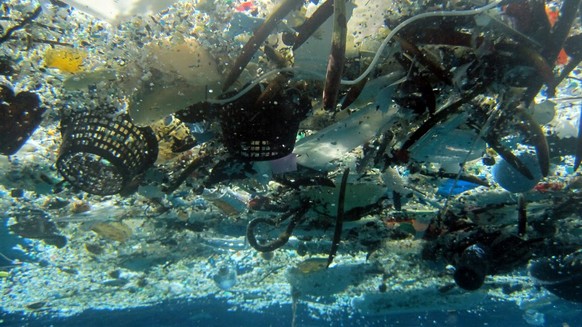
<point>101,154</point>
<point>259,130</point>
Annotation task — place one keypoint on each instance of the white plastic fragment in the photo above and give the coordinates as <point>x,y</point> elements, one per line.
<point>333,142</point>
<point>115,11</point>
<point>448,145</point>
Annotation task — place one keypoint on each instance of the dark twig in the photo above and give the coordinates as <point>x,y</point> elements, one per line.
<point>574,62</point>
<point>51,42</point>
<point>412,50</point>
<point>339,218</point>
<point>198,162</point>
<point>48,27</point>
<point>311,24</point>
<point>507,155</point>
<point>21,25</point>
<point>439,117</point>
<point>555,42</point>
<point>521,215</point>
<point>537,136</point>
<point>255,42</point>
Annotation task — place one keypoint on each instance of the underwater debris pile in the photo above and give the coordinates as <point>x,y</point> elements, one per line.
<point>442,147</point>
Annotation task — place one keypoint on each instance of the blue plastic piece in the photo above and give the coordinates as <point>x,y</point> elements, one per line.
<point>462,186</point>
<point>511,179</point>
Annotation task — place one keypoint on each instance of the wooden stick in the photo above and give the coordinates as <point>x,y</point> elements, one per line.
<point>337,56</point>
<point>311,24</point>
<point>259,36</point>
<point>521,215</point>
<point>339,218</point>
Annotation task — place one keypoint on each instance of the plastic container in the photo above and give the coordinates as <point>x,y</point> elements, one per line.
<point>102,155</point>
<point>263,132</point>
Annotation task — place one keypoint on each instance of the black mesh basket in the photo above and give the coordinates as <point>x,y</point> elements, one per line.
<point>265,131</point>
<point>101,155</point>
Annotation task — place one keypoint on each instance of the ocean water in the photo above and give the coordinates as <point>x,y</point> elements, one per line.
<point>290,163</point>
<point>210,312</point>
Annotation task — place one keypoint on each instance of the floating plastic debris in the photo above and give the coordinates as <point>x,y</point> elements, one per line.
<point>446,188</point>
<point>561,275</point>
<point>512,180</point>
<point>20,115</point>
<point>115,11</point>
<point>230,202</point>
<point>225,278</point>
<point>115,231</point>
<point>263,126</point>
<point>67,60</point>
<point>36,224</point>
<point>317,150</point>
<point>179,73</point>
<point>427,98</point>
<point>472,268</point>
<point>101,155</point>
<point>312,278</point>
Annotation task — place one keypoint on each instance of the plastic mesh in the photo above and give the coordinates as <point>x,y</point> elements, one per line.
<point>266,132</point>
<point>101,155</point>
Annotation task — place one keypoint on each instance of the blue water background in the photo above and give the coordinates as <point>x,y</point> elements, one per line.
<point>214,312</point>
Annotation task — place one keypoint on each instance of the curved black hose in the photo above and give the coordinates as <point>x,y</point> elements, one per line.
<point>283,238</point>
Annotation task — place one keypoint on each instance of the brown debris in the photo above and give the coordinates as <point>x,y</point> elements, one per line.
<point>20,115</point>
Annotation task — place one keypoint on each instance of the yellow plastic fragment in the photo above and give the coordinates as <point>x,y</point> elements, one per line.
<point>65,59</point>
<point>116,231</point>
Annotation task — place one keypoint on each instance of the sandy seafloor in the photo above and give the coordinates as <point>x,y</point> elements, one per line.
<point>164,276</point>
